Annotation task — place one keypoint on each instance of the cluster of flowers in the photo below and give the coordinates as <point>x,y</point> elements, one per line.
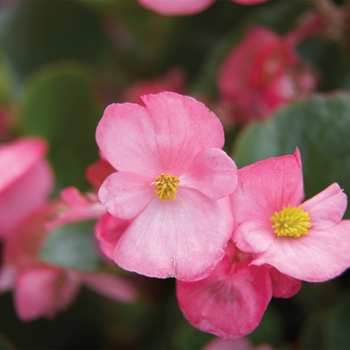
<point>170,203</point>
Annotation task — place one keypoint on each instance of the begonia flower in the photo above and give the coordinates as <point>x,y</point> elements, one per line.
<point>234,344</point>
<point>263,72</point>
<point>173,182</point>
<point>308,241</point>
<point>231,301</point>
<point>185,7</point>
<point>26,180</point>
<point>43,289</point>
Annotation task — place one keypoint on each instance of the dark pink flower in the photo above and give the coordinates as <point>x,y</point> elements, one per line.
<point>263,72</point>
<point>308,241</point>
<point>231,301</point>
<point>185,7</point>
<point>26,180</point>
<point>42,289</point>
<point>173,182</point>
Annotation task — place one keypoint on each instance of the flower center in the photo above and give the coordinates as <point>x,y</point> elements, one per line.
<point>291,221</point>
<point>166,186</point>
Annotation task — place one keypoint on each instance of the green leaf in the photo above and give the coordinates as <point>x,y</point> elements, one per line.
<point>59,105</point>
<point>41,32</point>
<point>72,246</point>
<point>319,126</point>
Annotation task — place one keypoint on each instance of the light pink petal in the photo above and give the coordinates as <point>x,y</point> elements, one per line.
<point>229,305</point>
<point>108,231</point>
<point>28,193</point>
<point>178,7</point>
<point>183,238</point>
<point>125,136</point>
<point>126,194</point>
<point>182,127</point>
<point>18,157</point>
<point>283,286</point>
<point>111,286</point>
<point>44,291</point>
<point>315,257</point>
<point>212,172</point>
<point>327,208</point>
<point>249,2</point>
<point>7,277</point>
<point>232,344</point>
<point>266,187</point>
<point>254,236</point>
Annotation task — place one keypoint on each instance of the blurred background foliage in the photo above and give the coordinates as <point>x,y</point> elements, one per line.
<point>62,62</point>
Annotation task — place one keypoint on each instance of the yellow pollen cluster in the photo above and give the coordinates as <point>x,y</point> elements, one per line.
<point>291,221</point>
<point>166,186</point>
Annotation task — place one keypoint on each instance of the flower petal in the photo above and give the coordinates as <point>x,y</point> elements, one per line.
<point>267,186</point>
<point>327,208</point>
<point>126,194</point>
<point>315,257</point>
<point>283,286</point>
<point>183,127</point>
<point>254,236</point>
<point>111,286</point>
<point>229,305</point>
<point>178,7</point>
<point>212,172</point>
<point>183,238</point>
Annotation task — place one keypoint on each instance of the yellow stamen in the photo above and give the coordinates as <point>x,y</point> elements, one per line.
<point>166,186</point>
<point>291,221</point>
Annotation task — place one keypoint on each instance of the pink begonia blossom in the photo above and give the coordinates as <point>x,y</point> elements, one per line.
<point>307,241</point>
<point>264,72</point>
<point>234,344</point>
<point>231,301</point>
<point>42,289</point>
<point>173,182</point>
<point>185,7</point>
<point>26,180</point>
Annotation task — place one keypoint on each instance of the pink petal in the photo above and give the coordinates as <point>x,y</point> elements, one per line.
<point>24,196</point>
<point>283,286</point>
<point>113,287</point>
<point>254,236</point>
<point>182,127</point>
<point>7,277</point>
<point>267,186</point>
<point>229,305</point>
<point>232,344</point>
<point>183,238</point>
<point>249,2</point>
<point>212,172</point>
<point>44,291</point>
<point>108,231</point>
<point>96,173</point>
<point>18,157</point>
<point>178,7</point>
<point>327,208</point>
<point>315,257</point>
<point>126,194</point>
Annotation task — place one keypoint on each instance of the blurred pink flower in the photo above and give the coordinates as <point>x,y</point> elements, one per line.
<point>231,301</point>
<point>26,180</point>
<point>42,289</point>
<point>234,344</point>
<point>173,182</point>
<point>307,241</point>
<point>173,80</point>
<point>264,72</point>
<point>185,7</point>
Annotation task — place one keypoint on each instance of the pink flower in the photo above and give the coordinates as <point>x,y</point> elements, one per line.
<point>173,182</point>
<point>234,344</point>
<point>231,301</point>
<point>185,7</point>
<point>26,180</point>
<point>307,241</point>
<point>42,289</point>
<point>262,73</point>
